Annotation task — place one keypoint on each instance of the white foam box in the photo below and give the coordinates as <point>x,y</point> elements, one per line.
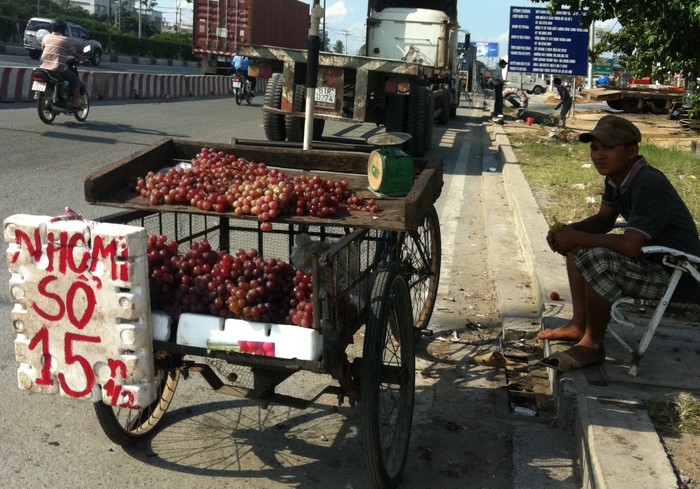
<point>81,309</point>
<point>197,329</point>
<point>269,339</point>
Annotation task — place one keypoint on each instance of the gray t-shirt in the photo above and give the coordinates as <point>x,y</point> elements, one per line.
<point>652,207</point>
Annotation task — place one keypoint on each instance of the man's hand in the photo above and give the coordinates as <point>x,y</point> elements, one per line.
<point>563,240</point>
<point>557,107</point>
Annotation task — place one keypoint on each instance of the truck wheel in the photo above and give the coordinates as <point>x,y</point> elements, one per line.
<point>274,123</point>
<point>631,105</point>
<point>659,106</point>
<point>417,108</point>
<point>395,117</point>
<point>444,116</point>
<point>615,104</point>
<point>295,125</point>
<point>538,90</point>
<point>429,121</point>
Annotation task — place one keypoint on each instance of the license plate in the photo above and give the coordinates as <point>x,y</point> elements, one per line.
<point>81,315</point>
<point>236,84</point>
<point>38,86</point>
<point>325,95</point>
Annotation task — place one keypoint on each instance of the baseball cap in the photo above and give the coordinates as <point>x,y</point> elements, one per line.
<point>612,130</point>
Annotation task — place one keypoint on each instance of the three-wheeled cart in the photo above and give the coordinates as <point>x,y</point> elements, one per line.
<point>377,274</point>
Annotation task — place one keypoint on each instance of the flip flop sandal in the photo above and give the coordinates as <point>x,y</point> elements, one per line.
<point>561,362</point>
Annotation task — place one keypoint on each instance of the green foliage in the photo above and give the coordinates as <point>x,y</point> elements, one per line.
<point>692,101</point>
<point>339,47</point>
<point>657,38</point>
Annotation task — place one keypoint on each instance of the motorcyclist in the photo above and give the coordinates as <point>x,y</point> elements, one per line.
<point>56,50</point>
<point>240,67</point>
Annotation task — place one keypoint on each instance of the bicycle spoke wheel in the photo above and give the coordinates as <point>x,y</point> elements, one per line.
<point>388,378</point>
<point>420,256</point>
<point>126,426</point>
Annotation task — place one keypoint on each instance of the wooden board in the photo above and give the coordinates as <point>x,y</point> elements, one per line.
<point>110,185</point>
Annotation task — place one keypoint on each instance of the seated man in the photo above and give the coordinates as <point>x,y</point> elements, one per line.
<point>604,267</point>
<point>57,48</point>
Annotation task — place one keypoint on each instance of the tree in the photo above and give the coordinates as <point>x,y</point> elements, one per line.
<point>339,47</point>
<point>657,38</point>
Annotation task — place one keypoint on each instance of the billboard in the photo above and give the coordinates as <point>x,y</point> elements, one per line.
<point>486,49</point>
<point>542,42</point>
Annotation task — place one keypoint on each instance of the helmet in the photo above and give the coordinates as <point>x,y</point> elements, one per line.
<point>58,26</point>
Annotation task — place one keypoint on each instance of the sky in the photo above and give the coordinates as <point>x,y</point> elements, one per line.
<point>345,19</point>
<point>486,20</point>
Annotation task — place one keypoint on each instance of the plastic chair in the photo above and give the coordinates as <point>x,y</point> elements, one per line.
<point>681,263</point>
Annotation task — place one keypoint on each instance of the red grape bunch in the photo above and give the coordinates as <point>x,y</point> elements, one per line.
<point>221,182</point>
<point>242,285</point>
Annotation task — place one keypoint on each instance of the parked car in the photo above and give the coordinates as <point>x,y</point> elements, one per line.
<point>74,32</point>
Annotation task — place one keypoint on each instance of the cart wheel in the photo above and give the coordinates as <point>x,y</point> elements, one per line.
<point>388,377</point>
<point>125,426</point>
<point>420,258</point>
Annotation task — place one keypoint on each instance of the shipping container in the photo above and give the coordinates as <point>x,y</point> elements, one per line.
<point>221,26</point>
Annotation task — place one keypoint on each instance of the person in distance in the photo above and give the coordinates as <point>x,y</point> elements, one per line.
<point>56,50</point>
<point>565,100</point>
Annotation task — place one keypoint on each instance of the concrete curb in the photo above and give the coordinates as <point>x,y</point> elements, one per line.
<point>15,85</point>
<point>617,444</point>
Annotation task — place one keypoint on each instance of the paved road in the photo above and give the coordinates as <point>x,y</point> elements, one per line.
<point>462,428</point>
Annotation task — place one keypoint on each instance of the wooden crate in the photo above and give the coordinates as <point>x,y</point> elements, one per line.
<point>110,185</point>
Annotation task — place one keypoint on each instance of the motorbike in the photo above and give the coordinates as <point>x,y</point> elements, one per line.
<point>53,94</point>
<point>241,88</point>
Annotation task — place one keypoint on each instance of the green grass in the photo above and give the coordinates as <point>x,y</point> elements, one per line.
<point>568,188</point>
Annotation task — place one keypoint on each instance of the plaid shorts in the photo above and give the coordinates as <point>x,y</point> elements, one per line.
<point>613,275</point>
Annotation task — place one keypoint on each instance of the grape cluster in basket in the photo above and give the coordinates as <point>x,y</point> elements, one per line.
<point>222,182</point>
<point>241,285</point>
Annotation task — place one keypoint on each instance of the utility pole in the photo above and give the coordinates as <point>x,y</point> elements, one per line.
<point>346,33</point>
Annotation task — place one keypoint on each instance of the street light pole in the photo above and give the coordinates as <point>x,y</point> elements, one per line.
<point>323,35</point>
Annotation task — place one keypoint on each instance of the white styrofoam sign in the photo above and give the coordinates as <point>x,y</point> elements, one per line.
<point>81,309</point>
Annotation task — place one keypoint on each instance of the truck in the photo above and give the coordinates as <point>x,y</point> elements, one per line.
<point>526,81</point>
<point>407,81</point>
<point>221,26</point>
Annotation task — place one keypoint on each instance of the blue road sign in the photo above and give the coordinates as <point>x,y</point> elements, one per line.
<point>486,49</point>
<point>540,42</point>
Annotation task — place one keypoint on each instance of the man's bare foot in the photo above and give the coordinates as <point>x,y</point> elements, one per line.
<point>570,332</point>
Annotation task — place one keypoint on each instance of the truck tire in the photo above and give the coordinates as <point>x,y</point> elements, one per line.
<point>615,104</point>
<point>631,105</point>
<point>395,116</point>
<point>659,106</point>
<point>444,116</point>
<point>538,90</point>
<point>274,123</point>
<point>295,125</point>
<point>429,121</point>
<point>417,118</point>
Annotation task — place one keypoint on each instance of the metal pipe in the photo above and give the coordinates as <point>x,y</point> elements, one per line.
<point>314,45</point>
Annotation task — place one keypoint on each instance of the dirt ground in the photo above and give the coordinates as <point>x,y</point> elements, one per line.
<point>656,129</point>
<point>684,449</point>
